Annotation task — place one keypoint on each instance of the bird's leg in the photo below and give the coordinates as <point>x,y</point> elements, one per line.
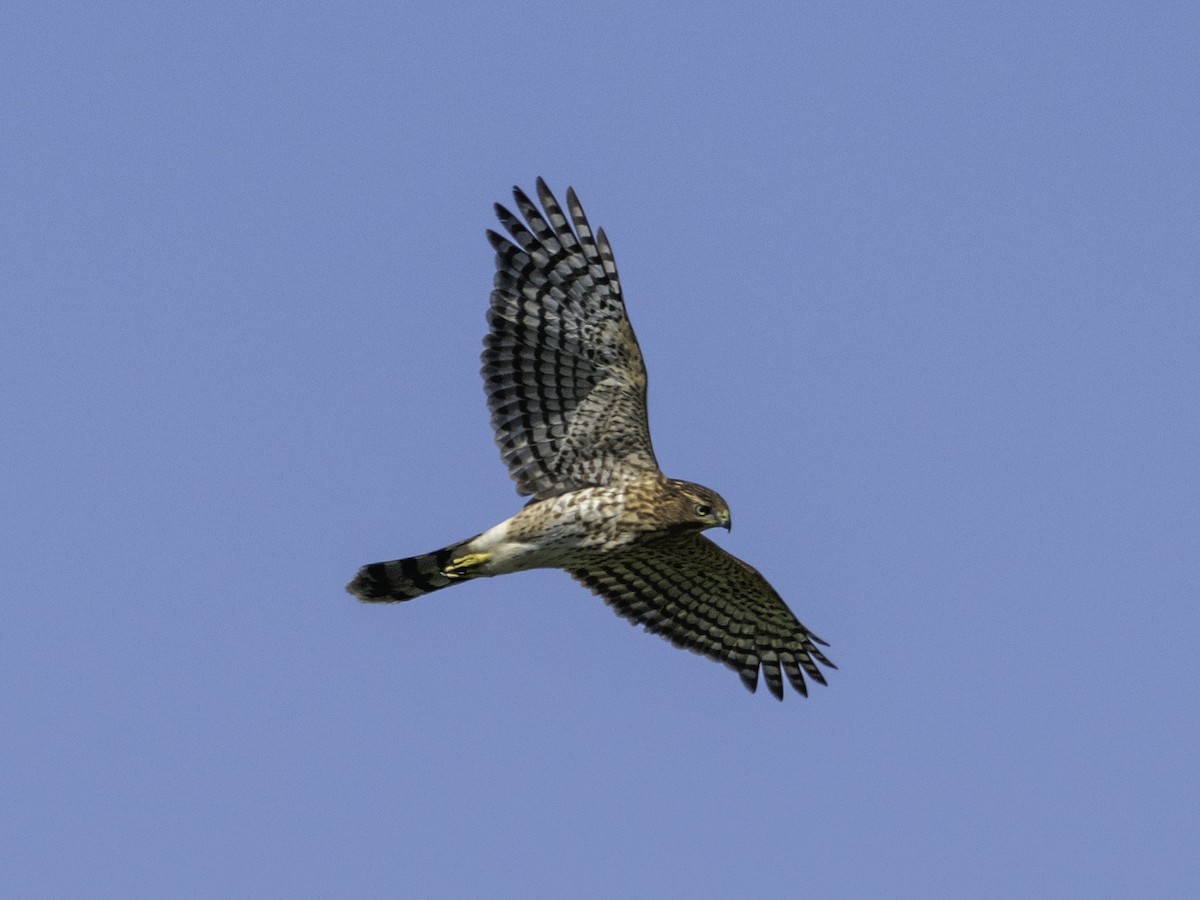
<point>461,566</point>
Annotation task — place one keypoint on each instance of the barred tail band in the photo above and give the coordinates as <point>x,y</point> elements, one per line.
<point>404,579</point>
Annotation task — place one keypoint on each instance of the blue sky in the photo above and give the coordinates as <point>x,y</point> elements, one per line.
<point>919,292</point>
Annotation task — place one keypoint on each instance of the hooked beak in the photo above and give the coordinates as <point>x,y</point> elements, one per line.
<point>726,521</point>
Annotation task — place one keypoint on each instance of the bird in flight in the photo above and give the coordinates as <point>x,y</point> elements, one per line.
<point>566,386</point>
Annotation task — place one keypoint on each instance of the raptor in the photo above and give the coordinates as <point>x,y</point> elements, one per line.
<point>566,386</point>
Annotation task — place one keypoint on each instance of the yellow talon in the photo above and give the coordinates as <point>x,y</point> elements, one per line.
<point>459,567</point>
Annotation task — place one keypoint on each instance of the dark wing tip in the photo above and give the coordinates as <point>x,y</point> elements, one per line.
<point>498,241</point>
<point>520,196</point>
<point>749,678</point>
<point>547,196</point>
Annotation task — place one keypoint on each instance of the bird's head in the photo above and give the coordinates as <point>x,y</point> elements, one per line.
<point>698,507</point>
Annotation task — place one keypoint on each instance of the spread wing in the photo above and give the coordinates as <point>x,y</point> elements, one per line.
<point>697,596</point>
<point>564,376</point>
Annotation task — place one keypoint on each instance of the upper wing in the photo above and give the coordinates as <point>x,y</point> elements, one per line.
<point>698,596</point>
<point>564,376</point>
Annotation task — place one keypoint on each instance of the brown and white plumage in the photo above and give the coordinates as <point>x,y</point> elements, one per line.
<point>566,386</point>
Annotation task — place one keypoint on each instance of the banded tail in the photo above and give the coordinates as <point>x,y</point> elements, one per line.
<point>403,579</point>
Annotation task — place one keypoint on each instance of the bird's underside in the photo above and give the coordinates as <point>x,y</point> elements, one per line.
<point>566,386</point>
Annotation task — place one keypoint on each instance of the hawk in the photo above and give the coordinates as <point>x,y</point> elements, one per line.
<point>566,386</point>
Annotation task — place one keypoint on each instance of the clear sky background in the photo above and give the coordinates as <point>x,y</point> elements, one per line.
<point>918,285</point>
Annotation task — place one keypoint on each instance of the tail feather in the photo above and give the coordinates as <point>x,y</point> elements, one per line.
<point>403,579</point>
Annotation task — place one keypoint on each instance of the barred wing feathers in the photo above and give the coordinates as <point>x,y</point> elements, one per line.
<point>700,597</point>
<point>564,376</point>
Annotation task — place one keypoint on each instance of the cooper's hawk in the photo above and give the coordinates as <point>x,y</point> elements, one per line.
<point>566,386</point>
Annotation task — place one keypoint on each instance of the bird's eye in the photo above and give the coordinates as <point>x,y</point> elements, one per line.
<point>702,510</point>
